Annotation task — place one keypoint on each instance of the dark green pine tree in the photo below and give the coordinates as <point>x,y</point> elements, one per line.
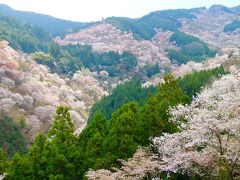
<point>20,168</point>
<point>61,148</point>
<point>50,157</point>
<point>37,158</point>
<point>154,114</point>
<point>55,50</point>
<point>120,141</point>
<point>90,142</point>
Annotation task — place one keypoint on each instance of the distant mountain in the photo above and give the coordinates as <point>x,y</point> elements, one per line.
<point>236,9</point>
<point>144,27</point>
<point>52,25</point>
<point>22,36</point>
<point>166,38</point>
<point>159,41</point>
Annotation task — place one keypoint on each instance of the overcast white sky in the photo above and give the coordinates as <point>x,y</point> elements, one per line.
<point>93,10</point>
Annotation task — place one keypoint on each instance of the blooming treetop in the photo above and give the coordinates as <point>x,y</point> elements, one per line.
<point>142,163</point>
<point>209,139</point>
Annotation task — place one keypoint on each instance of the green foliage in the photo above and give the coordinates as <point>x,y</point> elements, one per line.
<point>11,137</point>
<point>2,162</point>
<point>130,91</point>
<point>90,142</point>
<point>69,59</point>
<point>144,27</point>
<point>54,50</point>
<point>62,127</point>
<point>121,137</point>
<point>112,62</point>
<point>52,157</point>
<point>20,168</point>
<point>45,59</point>
<point>232,26</point>
<point>192,48</point>
<point>152,70</point>
<point>61,147</point>
<point>154,114</point>
<point>178,57</point>
<point>131,126</point>
<point>23,36</point>
<point>192,83</point>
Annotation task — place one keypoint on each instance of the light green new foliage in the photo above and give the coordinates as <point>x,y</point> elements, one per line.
<point>63,126</point>
<point>60,148</point>
<point>2,162</point>
<point>50,157</point>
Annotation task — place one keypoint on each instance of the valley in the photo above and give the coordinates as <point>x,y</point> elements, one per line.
<point>123,98</point>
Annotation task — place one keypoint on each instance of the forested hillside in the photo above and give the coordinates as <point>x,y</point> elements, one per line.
<point>161,37</point>
<point>104,141</point>
<point>155,97</point>
<point>54,26</point>
<point>125,93</point>
<point>232,26</point>
<point>67,60</point>
<point>23,36</point>
<point>191,48</point>
<point>146,26</point>
<point>28,91</point>
<point>12,139</point>
<point>208,134</point>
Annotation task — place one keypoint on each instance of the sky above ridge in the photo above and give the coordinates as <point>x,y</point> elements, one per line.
<point>94,10</point>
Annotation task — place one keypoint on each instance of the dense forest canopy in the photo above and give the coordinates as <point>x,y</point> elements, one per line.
<point>232,26</point>
<point>191,84</point>
<point>144,27</point>
<point>23,36</point>
<point>63,154</point>
<point>12,139</point>
<point>125,93</point>
<point>191,49</point>
<point>69,59</point>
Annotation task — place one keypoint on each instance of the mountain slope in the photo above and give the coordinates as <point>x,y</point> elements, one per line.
<point>52,25</point>
<point>22,36</point>
<point>168,38</point>
<point>30,92</point>
<point>145,27</point>
<point>210,25</point>
<point>105,37</point>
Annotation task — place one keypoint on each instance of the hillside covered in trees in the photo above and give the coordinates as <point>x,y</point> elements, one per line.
<point>104,141</point>
<point>145,27</point>
<point>232,26</point>
<point>191,48</point>
<point>23,36</point>
<point>155,97</point>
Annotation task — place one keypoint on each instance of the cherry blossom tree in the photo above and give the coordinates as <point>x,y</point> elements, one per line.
<point>208,143</point>
<point>143,163</point>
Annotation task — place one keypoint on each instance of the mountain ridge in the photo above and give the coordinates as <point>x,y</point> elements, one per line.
<point>53,25</point>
